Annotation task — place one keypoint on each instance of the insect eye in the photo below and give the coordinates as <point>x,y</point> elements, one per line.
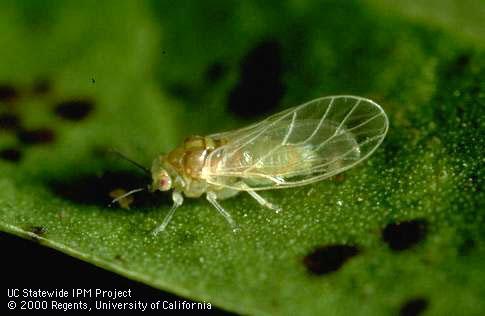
<point>165,183</point>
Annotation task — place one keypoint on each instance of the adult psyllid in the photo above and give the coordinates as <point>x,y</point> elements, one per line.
<point>99,293</point>
<point>299,146</point>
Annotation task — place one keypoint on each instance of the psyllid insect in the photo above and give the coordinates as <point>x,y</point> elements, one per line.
<point>298,146</point>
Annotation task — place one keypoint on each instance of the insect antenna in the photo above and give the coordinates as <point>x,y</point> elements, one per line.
<point>112,150</point>
<point>125,195</point>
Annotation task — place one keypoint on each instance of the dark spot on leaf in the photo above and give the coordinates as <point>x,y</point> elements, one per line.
<point>404,235</point>
<point>413,307</point>
<point>42,86</point>
<point>215,72</point>
<point>11,154</point>
<point>458,66</point>
<point>466,246</point>
<point>476,182</point>
<point>462,61</point>
<point>38,230</point>
<point>182,91</point>
<point>329,259</point>
<point>119,258</point>
<point>260,88</point>
<point>95,189</point>
<point>164,52</point>
<point>36,136</point>
<point>74,110</point>
<point>9,121</point>
<point>8,93</point>
<point>93,80</point>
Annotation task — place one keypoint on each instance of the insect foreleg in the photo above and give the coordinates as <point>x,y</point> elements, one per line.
<point>212,198</point>
<point>263,201</point>
<point>178,199</point>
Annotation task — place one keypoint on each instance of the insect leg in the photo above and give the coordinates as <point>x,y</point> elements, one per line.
<point>263,202</point>
<point>178,199</point>
<point>212,198</point>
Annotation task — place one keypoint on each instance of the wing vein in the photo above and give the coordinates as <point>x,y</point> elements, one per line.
<point>339,127</point>
<point>258,134</point>
<point>347,116</point>
<point>320,123</point>
<point>290,129</point>
<point>366,121</point>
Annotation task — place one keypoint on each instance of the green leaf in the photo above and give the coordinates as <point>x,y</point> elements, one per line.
<point>403,230</point>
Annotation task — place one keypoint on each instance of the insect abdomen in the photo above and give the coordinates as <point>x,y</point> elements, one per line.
<point>282,160</point>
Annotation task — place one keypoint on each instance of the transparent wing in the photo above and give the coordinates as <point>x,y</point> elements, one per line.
<point>300,145</point>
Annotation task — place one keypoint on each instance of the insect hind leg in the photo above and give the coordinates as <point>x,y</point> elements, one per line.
<point>212,198</point>
<point>261,200</point>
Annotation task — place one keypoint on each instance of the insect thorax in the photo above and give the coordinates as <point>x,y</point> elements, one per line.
<point>187,162</point>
